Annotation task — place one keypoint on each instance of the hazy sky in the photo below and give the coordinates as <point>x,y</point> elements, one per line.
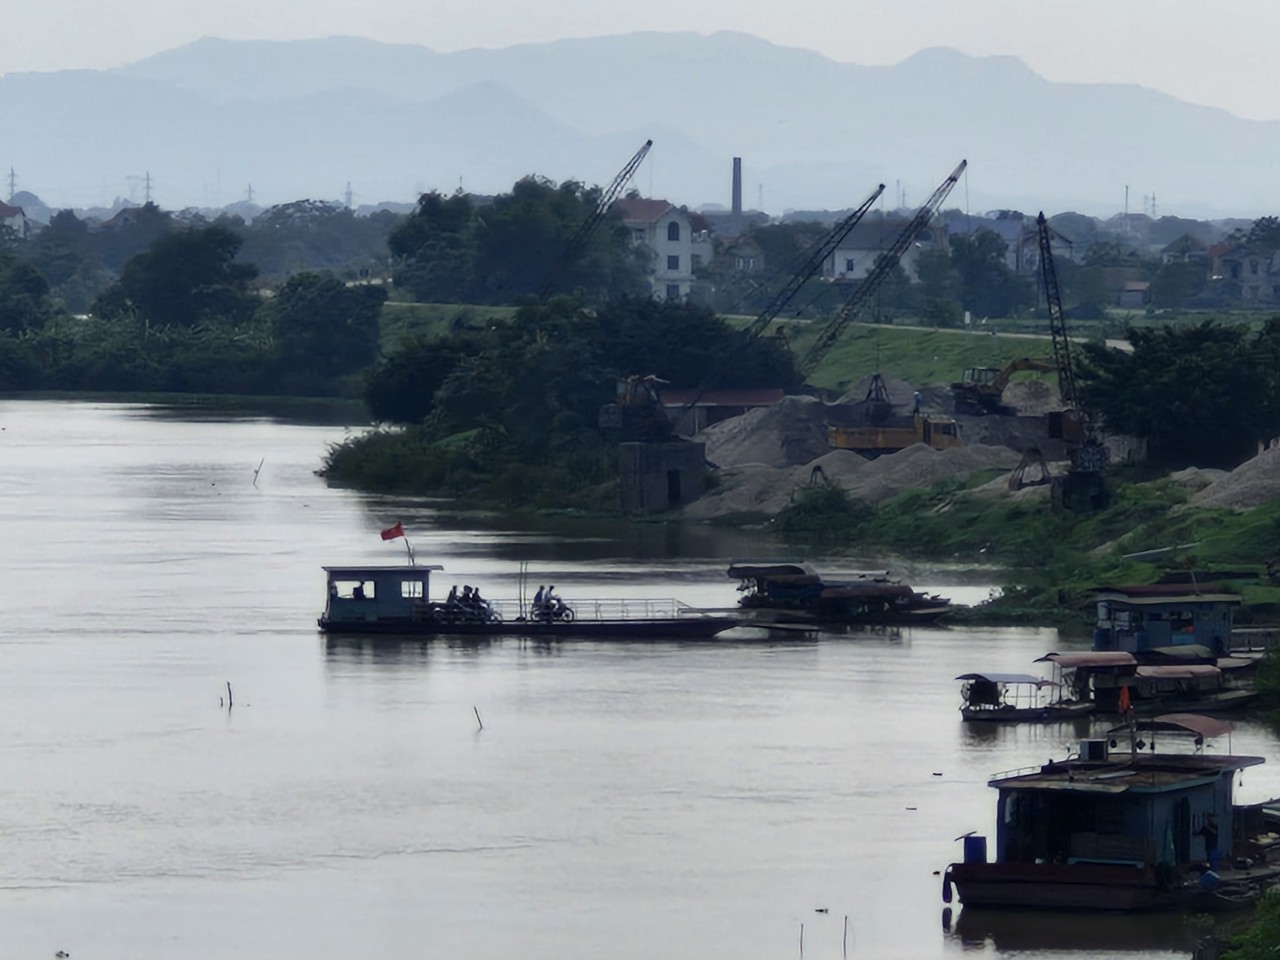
<point>1217,54</point>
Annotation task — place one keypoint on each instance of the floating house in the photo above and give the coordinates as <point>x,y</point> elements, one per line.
<point>1140,618</point>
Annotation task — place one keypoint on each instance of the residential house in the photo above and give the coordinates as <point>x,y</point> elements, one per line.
<point>15,220</point>
<point>1135,294</point>
<point>857,252</point>
<point>671,237</point>
<point>1256,272</point>
<point>1185,249</point>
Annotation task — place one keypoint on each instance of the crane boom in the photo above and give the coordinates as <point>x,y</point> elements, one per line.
<point>883,267</point>
<point>1067,386</point>
<point>811,265</point>
<point>578,241</point>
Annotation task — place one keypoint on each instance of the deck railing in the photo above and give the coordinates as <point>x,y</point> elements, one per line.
<point>588,610</point>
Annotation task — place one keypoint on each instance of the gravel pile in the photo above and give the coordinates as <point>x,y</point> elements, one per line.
<point>761,491</point>
<point>791,432</point>
<point>1251,484</point>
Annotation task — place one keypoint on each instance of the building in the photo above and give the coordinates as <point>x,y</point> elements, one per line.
<point>15,220</point>
<point>866,242</point>
<point>673,240</point>
<point>1152,616</point>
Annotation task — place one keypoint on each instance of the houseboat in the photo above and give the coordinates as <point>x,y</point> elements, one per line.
<point>794,592</point>
<point>397,600</point>
<point>1164,680</point>
<point>1016,697</point>
<point>1125,829</point>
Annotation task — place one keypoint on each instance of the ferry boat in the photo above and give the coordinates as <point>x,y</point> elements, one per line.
<point>1125,830</point>
<point>396,600</point>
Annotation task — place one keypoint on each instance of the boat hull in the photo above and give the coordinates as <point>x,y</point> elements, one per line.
<point>681,628</point>
<point>1055,886</point>
<point>1049,713</point>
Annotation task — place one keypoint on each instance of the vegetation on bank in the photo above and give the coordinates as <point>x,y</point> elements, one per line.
<point>1052,556</point>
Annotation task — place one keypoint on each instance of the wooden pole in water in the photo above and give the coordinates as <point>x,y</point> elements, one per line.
<point>802,939</point>
<point>478,720</point>
<point>844,945</point>
<point>230,703</point>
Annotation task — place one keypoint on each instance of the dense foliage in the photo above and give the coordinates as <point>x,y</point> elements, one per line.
<point>1203,395</point>
<point>514,409</point>
<point>456,250</point>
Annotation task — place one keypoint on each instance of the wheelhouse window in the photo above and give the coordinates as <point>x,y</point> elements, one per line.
<point>351,589</point>
<point>411,589</point>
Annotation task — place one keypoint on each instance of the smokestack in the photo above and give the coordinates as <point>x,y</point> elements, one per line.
<point>737,186</point>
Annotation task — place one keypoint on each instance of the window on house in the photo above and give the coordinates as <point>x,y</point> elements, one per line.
<point>673,291</point>
<point>848,265</point>
<point>639,232</point>
<point>673,231</point>
<point>673,262</point>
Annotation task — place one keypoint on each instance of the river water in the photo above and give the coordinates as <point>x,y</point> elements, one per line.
<point>744,798</point>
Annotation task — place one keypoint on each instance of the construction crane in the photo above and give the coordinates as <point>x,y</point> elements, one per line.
<point>1082,488</point>
<point>811,264</point>
<point>578,242</point>
<point>884,265</point>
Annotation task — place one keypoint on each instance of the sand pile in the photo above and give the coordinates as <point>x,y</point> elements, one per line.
<point>791,432</point>
<point>761,491</point>
<point>1032,397</point>
<point>1254,482</point>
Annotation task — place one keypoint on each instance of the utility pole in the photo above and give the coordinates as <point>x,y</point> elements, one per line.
<point>147,181</point>
<point>13,183</point>
<point>347,195</point>
<point>249,194</point>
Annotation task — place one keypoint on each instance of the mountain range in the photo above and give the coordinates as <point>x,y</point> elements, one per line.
<point>303,119</point>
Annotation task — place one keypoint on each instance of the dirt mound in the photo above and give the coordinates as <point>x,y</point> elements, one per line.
<point>756,490</point>
<point>1251,484</point>
<point>791,432</point>
<point>1196,478</point>
<point>1032,398</point>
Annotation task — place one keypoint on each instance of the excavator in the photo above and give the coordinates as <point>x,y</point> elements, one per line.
<point>982,388</point>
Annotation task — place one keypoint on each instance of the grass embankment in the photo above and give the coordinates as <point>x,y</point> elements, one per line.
<point>1054,556</point>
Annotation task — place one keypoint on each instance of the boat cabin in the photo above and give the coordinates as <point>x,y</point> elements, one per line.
<point>1140,618</point>
<point>1134,807</point>
<point>358,595</point>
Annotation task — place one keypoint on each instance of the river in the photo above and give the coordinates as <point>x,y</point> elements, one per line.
<point>622,800</point>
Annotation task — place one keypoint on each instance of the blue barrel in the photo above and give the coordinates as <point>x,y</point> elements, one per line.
<point>975,849</point>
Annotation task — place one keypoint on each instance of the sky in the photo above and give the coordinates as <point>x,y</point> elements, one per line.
<point>1205,53</point>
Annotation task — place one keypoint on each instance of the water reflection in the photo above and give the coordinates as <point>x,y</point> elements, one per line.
<point>1095,934</point>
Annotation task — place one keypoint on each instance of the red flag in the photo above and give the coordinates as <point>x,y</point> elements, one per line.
<point>392,532</point>
<point>1125,703</point>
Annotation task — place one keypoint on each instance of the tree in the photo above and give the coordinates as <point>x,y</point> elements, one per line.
<point>1201,396</point>
<point>24,296</point>
<point>1176,283</point>
<point>1260,940</point>
<point>1264,234</point>
<point>322,327</point>
<point>451,250</point>
<point>184,279</point>
<point>989,287</point>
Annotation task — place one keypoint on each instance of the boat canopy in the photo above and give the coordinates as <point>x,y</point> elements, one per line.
<point>1007,678</point>
<point>1194,723</point>
<point>1178,671</point>
<point>755,569</point>
<point>1092,658</point>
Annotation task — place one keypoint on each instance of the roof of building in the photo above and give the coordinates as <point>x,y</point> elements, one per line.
<point>642,209</point>
<point>7,211</point>
<point>1167,593</point>
<point>1124,773</point>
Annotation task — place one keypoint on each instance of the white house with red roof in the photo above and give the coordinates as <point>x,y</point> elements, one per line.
<point>674,243</point>
<point>15,219</point>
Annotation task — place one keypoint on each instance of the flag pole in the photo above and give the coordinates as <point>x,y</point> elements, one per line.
<point>409,548</point>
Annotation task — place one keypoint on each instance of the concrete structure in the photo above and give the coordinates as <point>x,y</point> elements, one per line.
<point>691,410</point>
<point>657,477</point>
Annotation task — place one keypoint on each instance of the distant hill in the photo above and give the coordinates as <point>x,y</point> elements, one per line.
<point>301,119</point>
